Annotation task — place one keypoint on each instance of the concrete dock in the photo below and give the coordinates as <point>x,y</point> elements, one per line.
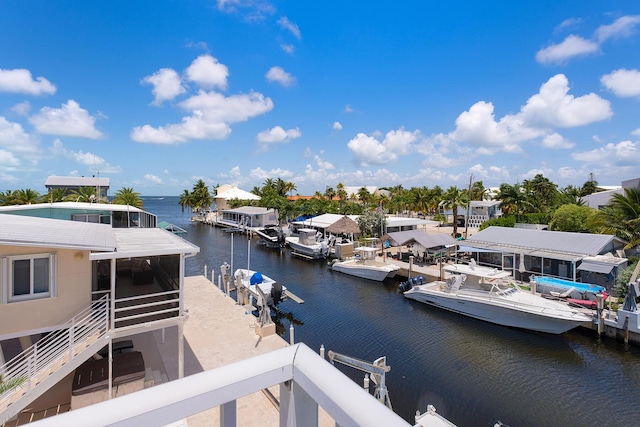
<point>220,332</point>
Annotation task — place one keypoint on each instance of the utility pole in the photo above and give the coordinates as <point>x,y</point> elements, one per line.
<point>466,217</point>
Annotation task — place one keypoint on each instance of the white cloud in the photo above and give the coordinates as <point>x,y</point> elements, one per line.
<point>278,135</point>
<point>622,27</point>
<point>278,75</point>
<point>210,118</point>
<point>288,48</point>
<point>69,120</point>
<point>624,83</point>
<point>337,126</point>
<point>624,153</point>
<point>323,164</point>
<point>348,108</point>
<point>22,108</point>
<point>14,138</point>
<point>207,72</point>
<point>290,26</point>
<point>571,22</point>
<point>573,45</point>
<point>166,85</point>
<point>635,132</point>
<point>552,106</point>
<point>259,174</point>
<point>20,81</point>
<point>555,140</point>
<point>90,160</point>
<point>570,47</point>
<point>368,150</point>
<point>152,179</point>
<point>8,160</point>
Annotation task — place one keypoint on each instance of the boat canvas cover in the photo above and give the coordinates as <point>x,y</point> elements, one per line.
<point>256,278</point>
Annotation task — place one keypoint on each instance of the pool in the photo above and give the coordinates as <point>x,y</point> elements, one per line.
<point>581,287</point>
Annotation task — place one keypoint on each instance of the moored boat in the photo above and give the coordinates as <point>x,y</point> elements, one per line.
<point>364,265</point>
<point>307,245</point>
<point>254,280</point>
<point>484,293</point>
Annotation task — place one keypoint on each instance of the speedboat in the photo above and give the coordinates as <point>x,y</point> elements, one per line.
<point>271,235</point>
<point>307,244</point>
<point>256,283</point>
<point>364,265</point>
<point>485,293</point>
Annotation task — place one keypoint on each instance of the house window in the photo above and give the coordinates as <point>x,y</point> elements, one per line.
<point>30,277</point>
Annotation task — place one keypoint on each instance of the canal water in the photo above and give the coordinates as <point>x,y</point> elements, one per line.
<point>473,372</point>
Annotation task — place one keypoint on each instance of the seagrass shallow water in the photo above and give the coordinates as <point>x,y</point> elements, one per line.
<point>474,373</point>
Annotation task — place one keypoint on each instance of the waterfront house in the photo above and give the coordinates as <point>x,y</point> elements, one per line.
<point>479,212</point>
<point>75,183</point>
<point>244,217</point>
<point>602,197</point>
<point>566,255</point>
<point>70,289</point>
<point>227,192</point>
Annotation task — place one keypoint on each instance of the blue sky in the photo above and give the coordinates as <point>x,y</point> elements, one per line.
<point>155,95</point>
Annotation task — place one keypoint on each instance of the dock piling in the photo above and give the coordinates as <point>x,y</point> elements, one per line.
<point>291,335</point>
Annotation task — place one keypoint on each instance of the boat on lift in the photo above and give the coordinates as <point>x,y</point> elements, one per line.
<point>365,265</point>
<point>487,294</point>
<point>309,244</point>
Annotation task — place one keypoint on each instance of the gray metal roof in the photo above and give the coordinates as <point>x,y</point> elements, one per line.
<point>54,233</point>
<point>104,242</point>
<point>76,181</point>
<point>541,242</point>
<point>80,206</point>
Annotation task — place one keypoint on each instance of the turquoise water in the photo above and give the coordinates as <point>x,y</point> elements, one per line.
<point>473,372</point>
<point>582,287</point>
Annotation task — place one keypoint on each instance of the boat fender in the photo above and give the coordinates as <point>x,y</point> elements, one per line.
<point>276,293</point>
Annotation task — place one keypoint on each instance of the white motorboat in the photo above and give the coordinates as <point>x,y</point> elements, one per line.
<point>364,265</point>
<point>485,293</point>
<point>254,280</point>
<point>271,235</point>
<point>307,244</point>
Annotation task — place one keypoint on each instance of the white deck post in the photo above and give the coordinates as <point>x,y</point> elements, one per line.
<point>297,408</point>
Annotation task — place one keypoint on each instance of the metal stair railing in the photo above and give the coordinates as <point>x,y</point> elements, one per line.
<point>57,349</point>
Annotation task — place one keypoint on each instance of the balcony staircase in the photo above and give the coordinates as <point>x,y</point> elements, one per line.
<point>52,358</point>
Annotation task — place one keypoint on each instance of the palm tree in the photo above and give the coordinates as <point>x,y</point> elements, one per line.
<point>453,198</point>
<point>55,195</point>
<point>7,198</point>
<point>514,199</point>
<point>127,196</point>
<point>543,193</point>
<point>26,197</point>
<point>341,192</point>
<point>201,198</point>
<point>185,200</point>
<point>82,194</point>
<point>364,196</point>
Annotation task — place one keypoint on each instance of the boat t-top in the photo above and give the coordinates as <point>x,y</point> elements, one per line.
<point>486,293</point>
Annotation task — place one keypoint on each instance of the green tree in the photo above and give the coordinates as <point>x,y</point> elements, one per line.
<point>7,198</point>
<point>621,217</point>
<point>452,199</point>
<point>127,196</point>
<point>26,197</point>
<point>54,195</point>
<point>571,218</point>
<point>185,200</point>
<point>542,194</point>
<point>201,198</point>
<point>514,199</point>
<point>372,223</point>
<point>84,195</point>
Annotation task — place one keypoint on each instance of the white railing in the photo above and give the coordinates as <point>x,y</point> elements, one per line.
<point>35,364</point>
<point>307,382</point>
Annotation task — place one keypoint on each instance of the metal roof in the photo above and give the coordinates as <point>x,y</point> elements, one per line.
<point>541,242</point>
<point>249,210</point>
<point>80,206</point>
<point>105,242</point>
<point>237,193</point>
<point>76,181</point>
<point>54,233</point>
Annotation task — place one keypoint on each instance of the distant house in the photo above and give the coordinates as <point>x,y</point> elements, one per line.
<point>601,199</point>
<point>75,183</point>
<point>591,258</point>
<point>479,212</point>
<point>228,192</point>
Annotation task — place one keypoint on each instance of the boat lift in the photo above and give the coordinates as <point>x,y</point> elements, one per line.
<point>376,371</point>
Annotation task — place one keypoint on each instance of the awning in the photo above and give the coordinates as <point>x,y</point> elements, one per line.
<point>471,249</point>
<point>595,267</point>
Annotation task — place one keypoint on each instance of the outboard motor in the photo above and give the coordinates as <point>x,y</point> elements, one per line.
<point>276,293</point>
<point>405,286</point>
